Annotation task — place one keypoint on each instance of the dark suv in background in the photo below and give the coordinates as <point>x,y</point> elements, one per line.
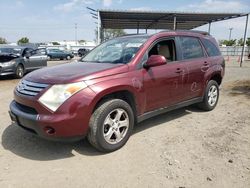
<point>82,52</point>
<point>119,83</point>
<point>17,60</point>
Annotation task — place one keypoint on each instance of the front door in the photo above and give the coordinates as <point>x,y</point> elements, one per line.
<point>163,84</point>
<point>36,60</point>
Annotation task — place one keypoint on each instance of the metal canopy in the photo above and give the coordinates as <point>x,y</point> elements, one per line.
<point>117,19</point>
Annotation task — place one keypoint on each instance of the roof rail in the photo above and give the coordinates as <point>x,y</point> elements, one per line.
<point>132,34</point>
<point>192,31</point>
<point>195,31</point>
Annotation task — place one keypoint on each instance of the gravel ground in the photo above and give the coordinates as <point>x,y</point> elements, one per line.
<point>182,148</point>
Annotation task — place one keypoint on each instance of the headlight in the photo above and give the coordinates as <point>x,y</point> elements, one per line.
<point>55,96</point>
<point>8,63</point>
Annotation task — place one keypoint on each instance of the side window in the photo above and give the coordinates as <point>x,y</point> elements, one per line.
<point>165,48</point>
<point>38,52</point>
<point>27,51</point>
<point>210,47</point>
<point>191,48</point>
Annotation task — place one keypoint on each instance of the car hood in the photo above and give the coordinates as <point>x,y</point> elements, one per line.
<point>74,72</point>
<point>6,57</point>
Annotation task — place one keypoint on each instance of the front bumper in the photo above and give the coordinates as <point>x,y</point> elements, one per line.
<point>7,70</point>
<point>30,123</point>
<point>68,123</point>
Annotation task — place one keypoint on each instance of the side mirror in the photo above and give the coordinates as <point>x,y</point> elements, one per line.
<point>27,55</point>
<point>155,60</point>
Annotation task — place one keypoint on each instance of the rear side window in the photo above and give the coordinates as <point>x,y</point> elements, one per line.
<point>210,47</point>
<point>191,48</point>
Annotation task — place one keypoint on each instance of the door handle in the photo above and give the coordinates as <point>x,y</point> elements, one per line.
<point>178,70</point>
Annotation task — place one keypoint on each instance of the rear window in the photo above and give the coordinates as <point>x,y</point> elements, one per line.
<point>191,48</point>
<point>210,47</point>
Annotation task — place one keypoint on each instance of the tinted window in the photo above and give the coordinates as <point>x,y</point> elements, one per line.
<point>210,47</point>
<point>191,48</point>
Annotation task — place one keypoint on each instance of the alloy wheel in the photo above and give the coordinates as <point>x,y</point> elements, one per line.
<point>116,126</point>
<point>212,95</point>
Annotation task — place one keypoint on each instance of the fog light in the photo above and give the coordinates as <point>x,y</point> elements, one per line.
<point>49,130</point>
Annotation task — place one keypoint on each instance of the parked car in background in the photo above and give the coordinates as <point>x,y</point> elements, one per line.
<point>59,54</point>
<point>17,60</point>
<point>82,52</point>
<point>119,83</point>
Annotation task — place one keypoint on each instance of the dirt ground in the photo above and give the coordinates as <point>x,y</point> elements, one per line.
<point>184,148</point>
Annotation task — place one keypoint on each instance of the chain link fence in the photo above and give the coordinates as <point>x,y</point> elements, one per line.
<point>233,50</point>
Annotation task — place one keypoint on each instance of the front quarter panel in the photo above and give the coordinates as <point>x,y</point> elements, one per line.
<point>130,81</point>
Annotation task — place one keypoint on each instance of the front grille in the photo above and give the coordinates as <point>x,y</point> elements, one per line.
<point>30,88</point>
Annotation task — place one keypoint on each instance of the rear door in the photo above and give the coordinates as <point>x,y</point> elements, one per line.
<point>38,58</point>
<point>196,62</point>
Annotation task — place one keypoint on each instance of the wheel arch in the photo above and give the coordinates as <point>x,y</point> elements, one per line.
<point>122,93</point>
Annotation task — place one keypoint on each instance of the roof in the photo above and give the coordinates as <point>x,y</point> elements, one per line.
<point>118,19</point>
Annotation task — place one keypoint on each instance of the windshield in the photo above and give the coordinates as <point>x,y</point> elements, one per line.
<point>119,50</point>
<point>16,51</point>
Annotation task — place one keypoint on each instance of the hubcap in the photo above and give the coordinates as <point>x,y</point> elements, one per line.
<point>20,71</point>
<point>115,126</point>
<point>212,95</point>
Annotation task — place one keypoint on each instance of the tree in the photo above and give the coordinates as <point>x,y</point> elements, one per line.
<point>3,40</point>
<point>110,33</point>
<point>55,43</point>
<point>248,42</point>
<point>240,42</point>
<point>23,40</point>
<point>228,42</point>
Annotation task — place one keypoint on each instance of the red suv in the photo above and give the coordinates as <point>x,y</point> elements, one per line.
<point>119,83</point>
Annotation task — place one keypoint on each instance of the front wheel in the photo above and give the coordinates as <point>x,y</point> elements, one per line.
<point>19,71</point>
<point>68,57</point>
<point>111,125</point>
<point>211,96</point>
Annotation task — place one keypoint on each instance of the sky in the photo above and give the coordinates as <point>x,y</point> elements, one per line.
<point>54,20</point>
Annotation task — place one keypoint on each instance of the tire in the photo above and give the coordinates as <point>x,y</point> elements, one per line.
<point>113,134</point>
<point>49,58</point>
<point>211,96</point>
<point>68,57</point>
<point>19,71</point>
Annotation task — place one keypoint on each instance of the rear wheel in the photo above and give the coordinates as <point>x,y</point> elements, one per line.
<point>111,125</point>
<point>19,71</point>
<point>68,57</point>
<point>48,57</point>
<point>211,96</point>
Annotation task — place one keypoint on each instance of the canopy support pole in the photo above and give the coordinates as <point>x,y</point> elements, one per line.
<point>209,27</point>
<point>244,43</point>
<point>98,29</point>
<point>137,27</point>
<point>174,22</point>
